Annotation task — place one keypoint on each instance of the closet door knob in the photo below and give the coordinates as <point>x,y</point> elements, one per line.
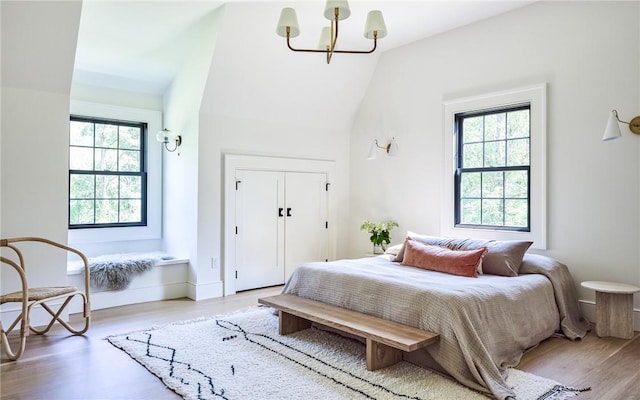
<point>288,211</point>
<point>280,212</point>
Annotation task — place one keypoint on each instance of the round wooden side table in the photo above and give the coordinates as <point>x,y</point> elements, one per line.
<point>614,308</point>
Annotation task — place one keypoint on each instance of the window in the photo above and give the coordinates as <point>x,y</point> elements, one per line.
<point>492,174</point>
<point>107,173</point>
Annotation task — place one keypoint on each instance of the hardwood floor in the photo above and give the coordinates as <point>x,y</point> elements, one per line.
<point>59,366</point>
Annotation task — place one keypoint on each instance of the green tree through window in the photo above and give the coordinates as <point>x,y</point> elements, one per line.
<point>492,182</point>
<point>107,174</point>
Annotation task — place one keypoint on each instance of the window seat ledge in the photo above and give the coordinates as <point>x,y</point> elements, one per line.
<point>75,267</point>
<point>168,281</point>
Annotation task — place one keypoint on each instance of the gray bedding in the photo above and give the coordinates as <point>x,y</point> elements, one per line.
<point>485,323</point>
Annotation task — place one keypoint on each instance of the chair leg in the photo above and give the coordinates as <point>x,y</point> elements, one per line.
<point>24,332</point>
<point>19,318</point>
<point>56,317</point>
<point>85,314</point>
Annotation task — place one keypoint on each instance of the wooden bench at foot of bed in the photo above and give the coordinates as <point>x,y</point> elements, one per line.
<point>386,340</point>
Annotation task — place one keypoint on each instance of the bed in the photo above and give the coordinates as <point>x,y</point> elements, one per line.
<point>486,323</point>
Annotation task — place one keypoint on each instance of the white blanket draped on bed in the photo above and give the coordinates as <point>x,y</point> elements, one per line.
<point>485,323</point>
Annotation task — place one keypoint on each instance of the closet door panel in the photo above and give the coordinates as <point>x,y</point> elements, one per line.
<point>260,229</point>
<point>306,233</point>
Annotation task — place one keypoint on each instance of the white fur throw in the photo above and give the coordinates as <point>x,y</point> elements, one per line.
<point>115,271</point>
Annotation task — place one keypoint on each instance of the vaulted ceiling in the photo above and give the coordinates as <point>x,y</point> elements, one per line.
<point>141,45</point>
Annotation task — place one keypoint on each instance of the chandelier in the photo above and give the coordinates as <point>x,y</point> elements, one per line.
<point>334,11</point>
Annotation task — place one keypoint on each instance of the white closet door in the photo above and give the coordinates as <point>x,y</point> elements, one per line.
<point>260,230</point>
<point>306,233</point>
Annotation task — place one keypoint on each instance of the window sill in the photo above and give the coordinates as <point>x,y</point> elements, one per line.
<point>75,267</point>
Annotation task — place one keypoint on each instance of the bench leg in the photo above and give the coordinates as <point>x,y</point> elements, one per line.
<point>289,323</point>
<point>381,356</point>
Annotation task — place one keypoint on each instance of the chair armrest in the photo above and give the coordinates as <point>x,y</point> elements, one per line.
<point>8,243</point>
<point>23,279</point>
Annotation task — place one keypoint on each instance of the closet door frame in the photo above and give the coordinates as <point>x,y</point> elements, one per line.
<point>235,162</point>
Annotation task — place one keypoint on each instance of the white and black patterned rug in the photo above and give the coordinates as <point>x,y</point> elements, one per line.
<point>241,356</point>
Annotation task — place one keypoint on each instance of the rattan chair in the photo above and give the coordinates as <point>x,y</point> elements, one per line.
<point>29,297</point>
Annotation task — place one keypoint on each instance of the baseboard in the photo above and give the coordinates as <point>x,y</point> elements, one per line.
<point>162,282</point>
<point>589,311</point>
<point>114,298</point>
<point>205,291</point>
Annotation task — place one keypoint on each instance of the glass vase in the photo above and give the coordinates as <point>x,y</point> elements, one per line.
<point>379,249</point>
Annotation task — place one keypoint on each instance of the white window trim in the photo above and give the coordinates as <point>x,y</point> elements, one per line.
<point>536,95</point>
<point>153,230</point>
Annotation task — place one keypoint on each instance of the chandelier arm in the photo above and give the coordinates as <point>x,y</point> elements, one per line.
<point>302,50</point>
<point>375,45</point>
<point>335,51</point>
<point>334,34</point>
<point>331,49</point>
<point>359,51</point>
<point>334,39</point>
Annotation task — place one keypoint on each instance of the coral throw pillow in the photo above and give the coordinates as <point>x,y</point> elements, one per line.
<point>442,259</point>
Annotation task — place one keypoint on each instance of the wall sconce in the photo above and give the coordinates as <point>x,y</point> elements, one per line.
<point>165,137</point>
<point>612,131</point>
<point>391,148</point>
<point>334,11</point>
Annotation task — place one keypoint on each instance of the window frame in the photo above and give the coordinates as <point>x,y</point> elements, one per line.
<point>460,169</point>
<point>142,173</point>
<point>120,239</point>
<point>535,95</point>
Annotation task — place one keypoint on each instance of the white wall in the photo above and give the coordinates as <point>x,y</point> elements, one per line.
<point>589,54</point>
<point>37,64</point>
<point>182,172</point>
<point>38,47</point>
<point>255,105</point>
<point>122,98</point>
<point>225,135</point>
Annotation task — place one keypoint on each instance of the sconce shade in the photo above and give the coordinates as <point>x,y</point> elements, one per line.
<point>372,151</point>
<point>612,131</point>
<point>375,22</point>
<point>163,135</point>
<point>325,38</point>
<point>288,18</point>
<point>343,9</point>
<point>393,148</point>
<point>160,136</point>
